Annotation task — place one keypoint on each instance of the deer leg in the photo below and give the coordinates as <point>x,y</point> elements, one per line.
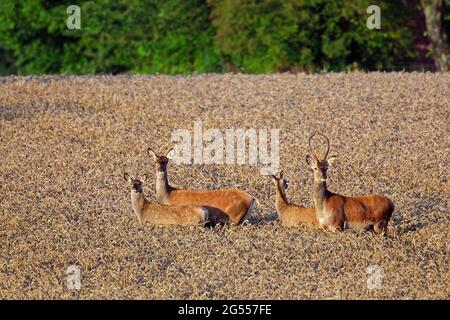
<point>233,212</point>
<point>369,227</point>
<point>248,214</point>
<point>380,227</point>
<point>333,228</point>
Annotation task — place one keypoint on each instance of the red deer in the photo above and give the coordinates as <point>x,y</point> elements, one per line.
<point>291,215</point>
<point>335,211</point>
<point>236,204</point>
<point>169,214</point>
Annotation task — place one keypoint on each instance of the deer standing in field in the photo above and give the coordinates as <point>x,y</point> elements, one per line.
<point>169,214</point>
<point>236,204</point>
<point>335,211</point>
<point>291,215</point>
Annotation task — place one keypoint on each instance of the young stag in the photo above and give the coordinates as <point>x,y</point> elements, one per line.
<point>163,214</point>
<point>291,215</point>
<point>335,211</point>
<point>236,204</point>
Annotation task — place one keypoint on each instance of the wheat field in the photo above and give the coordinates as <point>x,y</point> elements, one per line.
<point>66,142</point>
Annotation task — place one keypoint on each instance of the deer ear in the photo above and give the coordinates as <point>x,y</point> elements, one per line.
<point>310,161</point>
<point>170,154</point>
<point>127,177</point>
<point>143,178</point>
<point>281,174</point>
<point>331,159</point>
<point>152,154</point>
<point>276,175</point>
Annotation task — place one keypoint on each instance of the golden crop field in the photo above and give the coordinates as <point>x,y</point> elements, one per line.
<point>66,142</point>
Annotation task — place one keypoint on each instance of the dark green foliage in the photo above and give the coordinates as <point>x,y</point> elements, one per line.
<point>185,36</point>
<point>314,35</point>
<point>134,36</point>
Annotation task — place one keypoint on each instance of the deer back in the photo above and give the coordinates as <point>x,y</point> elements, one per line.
<point>234,203</point>
<point>173,214</point>
<point>294,215</point>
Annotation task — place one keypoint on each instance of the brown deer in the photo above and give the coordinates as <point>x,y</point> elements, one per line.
<point>291,215</point>
<point>236,204</point>
<point>335,211</point>
<point>169,214</point>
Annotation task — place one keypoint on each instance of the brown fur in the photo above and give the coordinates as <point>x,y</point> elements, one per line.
<point>361,212</point>
<point>291,215</point>
<point>336,211</point>
<point>236,204</point>
<point>159,214</point>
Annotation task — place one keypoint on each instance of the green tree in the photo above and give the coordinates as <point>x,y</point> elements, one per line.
<point>434,12</point>
<point>275,35</point>
<point>185,36</point>
<point>170,36</point>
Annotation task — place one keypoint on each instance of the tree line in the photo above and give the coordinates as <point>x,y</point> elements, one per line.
<point>251,36</point>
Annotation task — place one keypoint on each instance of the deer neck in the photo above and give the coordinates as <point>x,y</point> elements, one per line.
<point>138,202</point>
<point>162,187</point>
<point>280,198</point>
<point>320,194</point>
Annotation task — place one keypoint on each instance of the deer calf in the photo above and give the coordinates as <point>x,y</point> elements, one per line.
<point>169,214</point>
<point>335,211</point>
<point>291,215</point>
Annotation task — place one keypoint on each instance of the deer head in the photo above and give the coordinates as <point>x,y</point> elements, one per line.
<point>136,184</point>
<point>281,182</point>
<point>319,164</point>
<point>161,161</point>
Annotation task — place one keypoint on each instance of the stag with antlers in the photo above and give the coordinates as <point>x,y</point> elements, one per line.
<point>338,212</point>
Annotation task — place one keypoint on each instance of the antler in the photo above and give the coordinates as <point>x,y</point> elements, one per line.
<point>328,146</point>
<point>311,149</point>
